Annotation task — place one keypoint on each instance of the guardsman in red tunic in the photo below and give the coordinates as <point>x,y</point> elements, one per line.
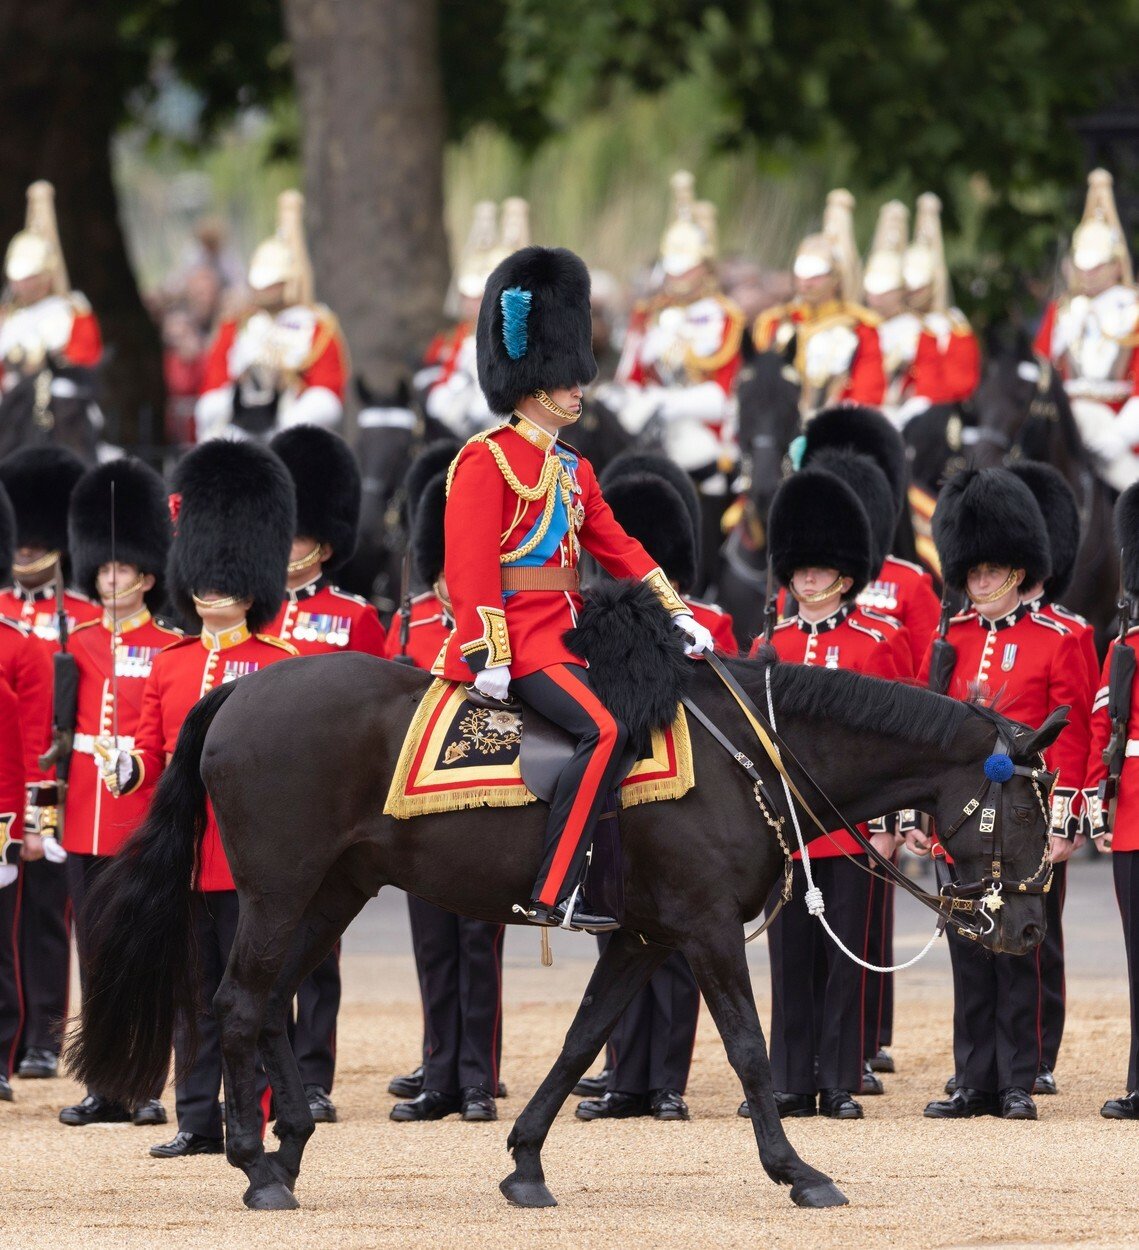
<point>992,541</point>
<point>821,551</point>
<point>113,658</point>
<point>46,323</point>
<point>39,482</point>
<point>317,618</point>
<point>1061,514</point>
<point>1114,821</point>
<point>837,353</point>
<point>222,489</point>
<point>285,363</point>
<point>521,508</point>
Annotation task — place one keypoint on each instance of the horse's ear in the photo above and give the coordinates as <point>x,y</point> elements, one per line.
<point>1038,740</point>
<point>364,393</point>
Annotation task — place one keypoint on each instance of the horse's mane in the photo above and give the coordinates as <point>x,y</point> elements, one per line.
<point>873,704</point>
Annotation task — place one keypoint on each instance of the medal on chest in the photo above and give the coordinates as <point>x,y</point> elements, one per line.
<point>45,625</point>
<point>882,596</point>
<point>134,661</point>
<point>831,660</point>
<point>233,669</point>
<point>1008,657</point>
<point>335,631</point>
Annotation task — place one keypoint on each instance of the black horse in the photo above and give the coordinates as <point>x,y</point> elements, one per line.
<point>53,407</point>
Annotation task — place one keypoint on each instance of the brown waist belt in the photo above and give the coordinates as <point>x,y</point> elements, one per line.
<point>530,578</point>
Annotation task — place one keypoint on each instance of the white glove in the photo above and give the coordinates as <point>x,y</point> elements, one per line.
<point>639,408</point>
<point>494,682</point>
<point>116,767</point>
<point>705,402</point>
<point>699,639</point>
<point>53,850</point>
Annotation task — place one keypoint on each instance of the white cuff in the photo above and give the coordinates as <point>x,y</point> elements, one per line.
<point>315,406</point>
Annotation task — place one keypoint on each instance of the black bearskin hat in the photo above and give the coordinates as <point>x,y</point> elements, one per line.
<point>434,459</point>
<point>39,481</point>
<point>142,524</point>
<point>648,508</point>
<point>817,521</point>
<point>989,516</point>
<point>7,537</point>
<point>638,463</point>
<point>534,329</point>
<point>1061,515</point>
<point>869,483</point>
<point>427,544</point>
<point>327,482</point>
<point>236,520</point>
<point>1127,537</point>
<point>852,427</point>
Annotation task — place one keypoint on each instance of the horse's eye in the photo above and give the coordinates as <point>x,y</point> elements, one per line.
<point>1022,814</point>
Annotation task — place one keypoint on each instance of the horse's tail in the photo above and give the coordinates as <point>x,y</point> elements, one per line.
<point>141,965</point>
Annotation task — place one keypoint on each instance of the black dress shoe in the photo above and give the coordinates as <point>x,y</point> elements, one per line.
<point>477,1104</point>
<point>951,1086</point>
<point>580,921</point>
<point>1017,1104</point>
<point>6,1094</point>
<point>613,1106</point>
<point>591,1086</point>
<point>94,1110</point>
<point>407,1086</point>
<point>183,1144</point>
<point>667,1104</point>
<point>432,1104</point>
<point>149,1112</point>
<point>871,1083</point>
<point>319,1103</point>
<point>1125,1108</point>
<point>837,1104</point>
<point>38,1064</point>
<point>963,1104</point>
<point>790,1106</point>
<point>1045,1082</point>
<point>501,1089</point>
<point>883,1061</point>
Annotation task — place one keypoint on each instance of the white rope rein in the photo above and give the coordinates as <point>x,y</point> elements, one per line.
<point>814,896</point>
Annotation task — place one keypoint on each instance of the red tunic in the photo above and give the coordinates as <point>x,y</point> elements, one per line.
<point>865,377</point>
<point>26,662</point>
<point>843,641</point>
<point>179,676</point>
<point>718,623</point>
<point>13,776</point>
<point>905,592</point>
<point>443,350</point>
<point>1125,834</point>
<point>960,357</point>
<point>896,634</point>
<point>1026,665</point>
<point>429,628</point>
<point>722,362</point>
<point>85,346</point>
<point>320,618</point>
<point>486,519</point>
<point>97,823</point>
<point>35,609</point>
<point>325,365</point>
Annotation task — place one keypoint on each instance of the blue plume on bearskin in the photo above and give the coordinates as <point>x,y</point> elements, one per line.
<point>515,310</point>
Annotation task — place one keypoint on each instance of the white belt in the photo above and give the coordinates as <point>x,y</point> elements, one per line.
<point>1132,748</point>
<point>1089,388</point>
<point>85,743</point>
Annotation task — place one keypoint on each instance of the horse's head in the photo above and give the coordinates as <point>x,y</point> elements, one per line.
<point>998,835</point>
<point>768,399</point>
<point>1023,412</point>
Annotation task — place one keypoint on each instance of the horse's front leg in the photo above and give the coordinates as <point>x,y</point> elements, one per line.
<point>718,961</point>
<point>624,967</point>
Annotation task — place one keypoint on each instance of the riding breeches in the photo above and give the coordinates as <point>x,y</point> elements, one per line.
<point>563,694</point>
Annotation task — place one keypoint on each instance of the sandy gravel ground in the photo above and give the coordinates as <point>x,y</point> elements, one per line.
<point>1071,1177</point>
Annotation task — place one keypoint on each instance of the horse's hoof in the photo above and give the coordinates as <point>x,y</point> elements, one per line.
<point>818,1194</point>
<point>522,1193</point>
<point>271,1198</point>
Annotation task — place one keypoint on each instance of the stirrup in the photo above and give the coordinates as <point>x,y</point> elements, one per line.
<point>571,903</point>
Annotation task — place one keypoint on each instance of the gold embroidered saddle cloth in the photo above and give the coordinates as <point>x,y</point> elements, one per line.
<point>458,755</point>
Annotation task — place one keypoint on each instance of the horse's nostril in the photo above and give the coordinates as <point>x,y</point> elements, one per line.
<point>1033,934</point>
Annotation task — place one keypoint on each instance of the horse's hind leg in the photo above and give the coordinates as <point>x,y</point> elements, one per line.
<point>624,967</point>
<point>333,908</point>
<point>718,961</point>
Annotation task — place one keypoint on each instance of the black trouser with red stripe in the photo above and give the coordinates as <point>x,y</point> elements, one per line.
<point>878,1026</point>
<point>563,694</point>
<point>11,1006</point>
<point>816,991</point>
<point>459,962</point>
<point>1125,869</point>
<point>996,1017</point>
<point>1053,996</point>
<point>45,954</point>
<point>312,1022</point>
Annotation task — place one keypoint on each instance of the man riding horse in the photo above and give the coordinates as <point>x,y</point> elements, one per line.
<point>521,508</point>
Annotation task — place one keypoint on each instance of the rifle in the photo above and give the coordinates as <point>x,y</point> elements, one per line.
<point>65,703</point>
<point>405,608</point>
<point>770,606</point>
<point>943,655</point>
<point>1121,678</point>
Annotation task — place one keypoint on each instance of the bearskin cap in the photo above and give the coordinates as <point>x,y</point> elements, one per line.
<point>434,459</point>
<point>638,463</point>
<point>236,520</point>
<point>1127,537</point>
<point>327,482</point>
<point>1061,514</point>
<point>7,537</point>
<point>989,516</point>
<point>142,524</point>
<point>817,521</point>
<point>649,509</point>
<point>427,541</point>
<point>534,329</point>
<point>869,483</point>
<point>853,427</point>
<point>39,481</point>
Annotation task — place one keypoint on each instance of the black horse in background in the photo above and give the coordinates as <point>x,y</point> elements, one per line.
<point>304,831</point>
<point>52,407</point>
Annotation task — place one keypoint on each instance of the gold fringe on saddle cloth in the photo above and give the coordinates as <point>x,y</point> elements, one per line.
<point>456,756</point>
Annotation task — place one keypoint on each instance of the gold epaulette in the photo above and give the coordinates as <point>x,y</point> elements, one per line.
<point>481,437</point>
<point>274,641</point>
<point>762,328</point>
<point>864,315</point>
<point>327,329</point>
